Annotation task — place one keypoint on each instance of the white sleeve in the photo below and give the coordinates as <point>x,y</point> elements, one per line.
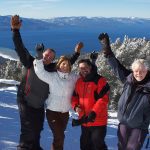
<point>41,72</point>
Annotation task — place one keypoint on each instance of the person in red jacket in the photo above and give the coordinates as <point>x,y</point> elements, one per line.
<point>90,101</point>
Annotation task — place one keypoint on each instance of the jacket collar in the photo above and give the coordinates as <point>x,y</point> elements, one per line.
<point>132,80</point>
<point>63,75</point>
<point>144,84</point>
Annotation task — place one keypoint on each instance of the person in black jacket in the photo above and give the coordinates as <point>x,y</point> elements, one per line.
<point>32,92</point>
<point>134,103</point>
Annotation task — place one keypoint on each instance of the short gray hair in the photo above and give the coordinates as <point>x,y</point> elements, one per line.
<point>140,62</point>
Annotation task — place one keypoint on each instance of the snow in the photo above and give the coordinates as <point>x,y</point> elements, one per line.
<point>10,126</point>
<point>7,81</point>
<point>8,53</point>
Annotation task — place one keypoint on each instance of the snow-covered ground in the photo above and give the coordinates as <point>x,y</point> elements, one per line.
<point>8,53</point>
<point>10,126</point>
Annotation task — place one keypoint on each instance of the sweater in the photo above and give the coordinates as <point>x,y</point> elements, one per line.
<point>61,86</point>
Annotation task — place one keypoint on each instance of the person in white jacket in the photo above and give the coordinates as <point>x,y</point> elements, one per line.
<point>61,87</point>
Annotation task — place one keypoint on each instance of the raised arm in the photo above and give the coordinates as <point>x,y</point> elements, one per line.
<point>24,55</point>
<point>41,72</point>
<point>119,70</point>
<point>75,56</point>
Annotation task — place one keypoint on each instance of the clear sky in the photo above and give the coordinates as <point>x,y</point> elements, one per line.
<point>64,8</point>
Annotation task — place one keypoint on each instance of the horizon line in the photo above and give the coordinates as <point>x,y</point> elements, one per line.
<point>129,17</point>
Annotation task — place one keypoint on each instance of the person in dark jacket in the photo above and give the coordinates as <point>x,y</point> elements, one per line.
<point>90,101</point>
<point>32,92</point>
<point>134,103</point>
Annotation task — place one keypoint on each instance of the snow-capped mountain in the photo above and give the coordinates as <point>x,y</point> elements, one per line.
<point>120,25</point>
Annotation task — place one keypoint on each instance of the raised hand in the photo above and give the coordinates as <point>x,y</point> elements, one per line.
<point>79,46</point>
<point>104,40</point>
<point>15,22</point>
<point>94,55</point>
<point>39,47</point>
<point>39,50</point>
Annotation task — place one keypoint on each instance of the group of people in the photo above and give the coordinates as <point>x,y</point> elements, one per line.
<point>55,88</point>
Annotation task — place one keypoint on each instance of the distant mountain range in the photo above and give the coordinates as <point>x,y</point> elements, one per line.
<point>129,26</point>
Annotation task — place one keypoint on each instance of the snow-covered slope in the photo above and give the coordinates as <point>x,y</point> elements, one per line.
<point>8,53</point>
<point>10,126</point>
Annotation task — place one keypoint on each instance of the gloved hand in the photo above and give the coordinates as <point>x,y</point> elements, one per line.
<point>93,56</point>
<point>84,119</point>
<point>77,122</point>
<point>15,22</point>
<point>39,50</point>
<point>39,47</point>
<point>104,40</point>
<point>91,116</point>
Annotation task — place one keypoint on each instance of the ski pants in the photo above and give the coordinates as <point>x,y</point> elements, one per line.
<point>93,138</point>
<point>57,122</point>
<point>130,138</point>
<point>31,121</point>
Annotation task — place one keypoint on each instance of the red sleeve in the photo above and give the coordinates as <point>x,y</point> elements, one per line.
<point>101,103</point>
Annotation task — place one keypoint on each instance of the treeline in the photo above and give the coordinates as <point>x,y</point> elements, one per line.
<point>126,51</point>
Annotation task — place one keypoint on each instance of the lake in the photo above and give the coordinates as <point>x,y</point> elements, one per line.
<point>63,41</point>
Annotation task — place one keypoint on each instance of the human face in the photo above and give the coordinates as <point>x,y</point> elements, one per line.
<point>84,69</point>
<point>64,67</point>
<point>48,56</point>
<point>139,72</point>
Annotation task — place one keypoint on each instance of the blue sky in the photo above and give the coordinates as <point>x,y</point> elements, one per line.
<point>89,8</point>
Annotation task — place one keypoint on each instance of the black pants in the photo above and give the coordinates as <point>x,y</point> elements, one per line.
<point>92,138</point>
<point>130,138</point>
<point>32,121</point>
<point>57,122</point>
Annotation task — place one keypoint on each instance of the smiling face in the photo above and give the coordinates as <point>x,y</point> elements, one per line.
<point>139,72</point>
<point>84,69</point>
<point>48,56</point>
<point>140,68</point>
<point>64,66</point>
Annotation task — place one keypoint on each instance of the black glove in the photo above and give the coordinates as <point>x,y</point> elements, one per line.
<point>93,56</point>
<point>77,122</point>
<point>91,116</point>
<point>104,39</point>
<point>84,119</point>
<point>39,50</point>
